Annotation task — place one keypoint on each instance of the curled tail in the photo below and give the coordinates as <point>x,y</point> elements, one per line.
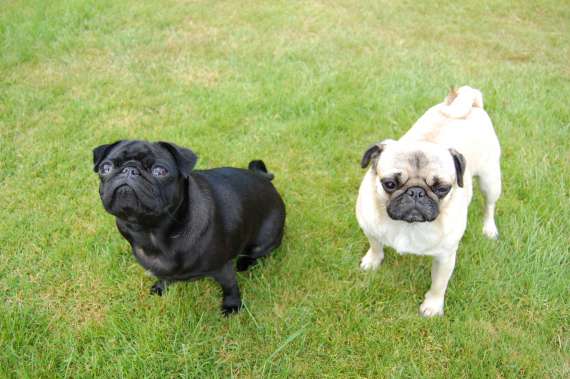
<point>459,102</point>
<point>259,167</point>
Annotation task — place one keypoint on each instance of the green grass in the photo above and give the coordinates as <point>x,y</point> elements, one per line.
<point>306,86</point>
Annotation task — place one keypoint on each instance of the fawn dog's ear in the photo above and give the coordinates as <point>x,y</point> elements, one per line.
<point>373,153</point>
<point>459,162</point>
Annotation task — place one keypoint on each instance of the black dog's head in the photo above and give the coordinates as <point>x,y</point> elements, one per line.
<point>414,179</point>
<point>142,182</point>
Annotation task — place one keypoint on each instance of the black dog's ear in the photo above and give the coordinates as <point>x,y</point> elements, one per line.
<point>185,158</point>
<point>100,152</point>
<point>459,162</point>
<point>372,154</point>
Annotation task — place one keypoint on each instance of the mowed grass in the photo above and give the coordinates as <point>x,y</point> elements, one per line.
<point>306,86</point>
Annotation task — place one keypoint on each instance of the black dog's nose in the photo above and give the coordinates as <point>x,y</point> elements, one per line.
<point>416,192</point>
<point>131,171</point>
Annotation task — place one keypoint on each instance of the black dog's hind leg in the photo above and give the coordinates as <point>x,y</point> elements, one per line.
<point>244,262</point>
<point>250,257</point>
<point>226,276</point>
<point>159,288</point>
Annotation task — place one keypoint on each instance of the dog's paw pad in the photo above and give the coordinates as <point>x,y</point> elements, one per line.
<point>431,308</point>
<point>371,261</point>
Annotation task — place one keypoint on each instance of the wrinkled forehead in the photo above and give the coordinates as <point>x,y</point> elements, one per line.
<point>137,151</point>
<point>417,161</point>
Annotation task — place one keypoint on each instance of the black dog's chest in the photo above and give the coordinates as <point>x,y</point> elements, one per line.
<point>166,254</point>
<point>157,262</point>
<point>154,255</point>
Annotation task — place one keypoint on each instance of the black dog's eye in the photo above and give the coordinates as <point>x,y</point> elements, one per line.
<point>159,171</point>
<point>441,191</point>
<point>105,168</point>
<point>389,185</point>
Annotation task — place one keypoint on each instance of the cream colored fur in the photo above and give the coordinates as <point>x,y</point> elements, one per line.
<point>460,123</point>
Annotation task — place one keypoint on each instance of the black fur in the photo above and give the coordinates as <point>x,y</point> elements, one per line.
<point>371,154</point>
<point>459,162</point>
<point>101,152</point>
<point>190,224</point>
<point>413,205</point>
<point>260,168</point>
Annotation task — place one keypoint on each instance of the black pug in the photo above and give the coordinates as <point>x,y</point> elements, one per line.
<point>184,224</point>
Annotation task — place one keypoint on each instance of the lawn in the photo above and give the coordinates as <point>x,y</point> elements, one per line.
<point>306,86</point>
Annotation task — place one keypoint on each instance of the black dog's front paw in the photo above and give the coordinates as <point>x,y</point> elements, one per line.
<point>229,309</point>
<point>158,288</point>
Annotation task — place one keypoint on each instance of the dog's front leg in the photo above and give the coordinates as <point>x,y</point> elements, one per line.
<point>441,270</point>
<point>226,276</point>
<point>374,257</point>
